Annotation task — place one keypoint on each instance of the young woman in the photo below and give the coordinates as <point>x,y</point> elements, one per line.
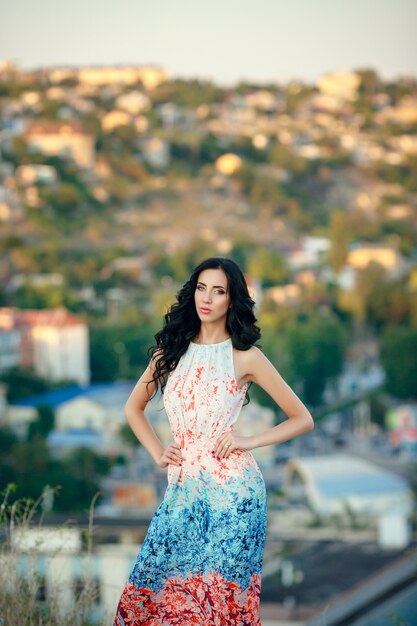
<point>201,560</point>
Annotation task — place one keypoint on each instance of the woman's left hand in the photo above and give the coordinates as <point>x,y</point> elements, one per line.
<point>228,442</point>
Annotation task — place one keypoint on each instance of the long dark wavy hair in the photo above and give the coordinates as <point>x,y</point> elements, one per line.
<point>182,323</point>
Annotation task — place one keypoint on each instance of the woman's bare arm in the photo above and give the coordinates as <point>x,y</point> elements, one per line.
<point>263,373</point>
<point>135,413</point>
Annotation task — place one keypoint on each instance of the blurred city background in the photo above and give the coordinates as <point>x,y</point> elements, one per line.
<point>134,143</point>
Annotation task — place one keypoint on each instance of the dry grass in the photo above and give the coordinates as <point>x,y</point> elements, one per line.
<point>23,600</point>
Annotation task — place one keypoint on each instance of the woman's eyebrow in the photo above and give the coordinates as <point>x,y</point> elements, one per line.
<point>215,286</point>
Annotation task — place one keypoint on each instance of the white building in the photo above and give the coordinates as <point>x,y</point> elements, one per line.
<point>342,85</point>
<point>9,349</point>
<point>133,102</point>
<point>156,152</point>
<point>337,484</point>
<point>54,341</point>
<point>61,348</point>
<point>55,555</point>
<point>67,139</point>
<point>35,173</point>
<point>309,253</point>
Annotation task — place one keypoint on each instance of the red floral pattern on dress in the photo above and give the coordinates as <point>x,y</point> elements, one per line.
<point>204,600</point>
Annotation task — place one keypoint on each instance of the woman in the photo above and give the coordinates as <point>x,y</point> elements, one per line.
<point>201,560</point>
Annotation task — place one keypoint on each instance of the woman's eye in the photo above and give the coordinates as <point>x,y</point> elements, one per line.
<point>199,287</point>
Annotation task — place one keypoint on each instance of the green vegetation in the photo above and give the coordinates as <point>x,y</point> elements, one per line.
<point>399,349</point>
<point>30,466</point>
<point>22,594</point>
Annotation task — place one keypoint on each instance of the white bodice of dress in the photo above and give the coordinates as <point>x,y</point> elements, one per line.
<point>201,395</point>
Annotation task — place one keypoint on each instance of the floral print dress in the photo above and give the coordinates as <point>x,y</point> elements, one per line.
<point>201,560</point>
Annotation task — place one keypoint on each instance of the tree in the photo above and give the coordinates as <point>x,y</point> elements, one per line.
<point>265,193</point>
<point>398,356</point>
<point>51,109</point>
<point>44,423</point>
<point>210,149</point>
<point>29,296</point>
<point>30,466</point>
<point>7,440</point>
<point>85,464</point>
<point>245,177</point>
<point>243,248</point>
<point>339,238</point>
<point>189,93</point>
<point>316,354</point>
<point>128,436</point>
<point>63,199</point>
<point>268,266</point>
<point>282,155</point>
<point>369,81</point>
<point>272,343</point>
<point>183,261</point>
<point>381,300</point>
<point>22,383</point>
<point>104,362</point>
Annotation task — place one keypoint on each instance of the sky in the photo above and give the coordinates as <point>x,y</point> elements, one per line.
<point>221,40</point>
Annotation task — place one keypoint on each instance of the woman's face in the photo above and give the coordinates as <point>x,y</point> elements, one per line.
<point>212,296</point>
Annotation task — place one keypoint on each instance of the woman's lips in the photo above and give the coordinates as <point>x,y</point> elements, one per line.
<point>205,310</point>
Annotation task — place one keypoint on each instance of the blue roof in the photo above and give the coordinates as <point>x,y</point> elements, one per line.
<point>113,393</point>
<point>54,398</point>
<point>344,475</point>
<point>354,484</point>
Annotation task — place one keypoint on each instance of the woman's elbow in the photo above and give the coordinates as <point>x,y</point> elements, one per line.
<point>128,412</point>
<point>131,412</point>
<point>309,422</point>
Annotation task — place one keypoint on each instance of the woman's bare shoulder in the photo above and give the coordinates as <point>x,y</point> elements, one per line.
<point>246,360</point>
<point>250,353</point>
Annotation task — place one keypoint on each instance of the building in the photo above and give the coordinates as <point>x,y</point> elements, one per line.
<point>341,85</point>
<point>34,174</point>
<point>9,349</point>
<point>67,139</point>
<point>90,415</point>
<point>361,255</point>
<point>63,568</point>
<point>403,113</point>
<point>115,118</point>
<point>19,414</point>
<point>53,279</point>
<point>11,210</point>
<point>383,597</point>
<point>284,295</point>
<point>149,76</point>
<point>55,342</point>
<point>401,422</point>
<point>156,152</point>
<point>228,164</point>
<point>310,252</point>
<point>342,484</point>
<point>261,99</point>
<point>133,102</point>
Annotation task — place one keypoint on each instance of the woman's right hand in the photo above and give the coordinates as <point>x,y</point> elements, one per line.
<point>170,454</point>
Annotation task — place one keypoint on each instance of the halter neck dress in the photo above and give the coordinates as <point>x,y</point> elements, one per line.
<point>201,561</point>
